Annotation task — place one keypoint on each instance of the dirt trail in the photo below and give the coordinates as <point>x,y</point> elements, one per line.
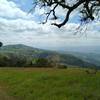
<point>4,95</point>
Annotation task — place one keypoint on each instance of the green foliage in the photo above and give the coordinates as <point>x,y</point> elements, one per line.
<point>13,60</point>
<point>41,62</point>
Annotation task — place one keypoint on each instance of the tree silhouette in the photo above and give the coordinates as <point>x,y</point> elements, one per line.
<point>1,44</point>
<point>88,9</point>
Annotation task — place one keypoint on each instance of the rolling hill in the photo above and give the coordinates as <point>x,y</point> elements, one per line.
<point>88,57</point>
<point>22,56</point>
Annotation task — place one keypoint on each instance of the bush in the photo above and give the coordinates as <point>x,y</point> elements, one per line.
<point>40,62</point>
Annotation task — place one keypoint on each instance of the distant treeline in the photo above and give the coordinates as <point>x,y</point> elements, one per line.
<point>15,60</point>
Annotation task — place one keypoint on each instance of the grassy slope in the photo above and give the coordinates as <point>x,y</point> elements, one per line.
<point>48,84</point>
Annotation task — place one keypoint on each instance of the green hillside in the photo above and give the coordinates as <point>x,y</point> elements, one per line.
<point>93,58</point>
<point>24,56</point>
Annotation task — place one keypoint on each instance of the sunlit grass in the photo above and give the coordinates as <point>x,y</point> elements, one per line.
<point>49,84</point>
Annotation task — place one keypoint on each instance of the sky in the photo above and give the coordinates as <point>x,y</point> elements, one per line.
<point>17,26</point>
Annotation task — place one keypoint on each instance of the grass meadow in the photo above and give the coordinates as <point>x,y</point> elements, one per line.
<point>48,84</point>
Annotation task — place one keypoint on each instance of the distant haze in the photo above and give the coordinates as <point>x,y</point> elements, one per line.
<point>67,48</point>
<point>82,49</point>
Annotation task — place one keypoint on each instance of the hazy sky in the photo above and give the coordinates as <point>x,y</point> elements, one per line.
<point>19,27</point>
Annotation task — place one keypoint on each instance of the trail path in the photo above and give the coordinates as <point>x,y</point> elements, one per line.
<point>4,95</point>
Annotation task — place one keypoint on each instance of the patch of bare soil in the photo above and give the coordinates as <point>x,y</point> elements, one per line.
<point>4,95</point>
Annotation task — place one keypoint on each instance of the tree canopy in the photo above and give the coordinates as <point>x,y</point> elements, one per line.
<point>89,9</point>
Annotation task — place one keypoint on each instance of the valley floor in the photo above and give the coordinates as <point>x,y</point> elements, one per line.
<point>48,84</point>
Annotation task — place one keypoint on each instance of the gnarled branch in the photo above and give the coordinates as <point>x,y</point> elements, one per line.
<point>88,8</point>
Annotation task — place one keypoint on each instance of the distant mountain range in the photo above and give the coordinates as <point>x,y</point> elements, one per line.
<point>91,57</point>
<point>88,57</point>
<point>22,55</point>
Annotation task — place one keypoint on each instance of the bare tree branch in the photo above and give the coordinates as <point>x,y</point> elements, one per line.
<point>88,9</point>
